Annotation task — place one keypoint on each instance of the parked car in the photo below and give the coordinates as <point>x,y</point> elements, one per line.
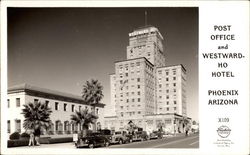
<point>92,140</point>
<point>120,137</point>
<point>138,136</point>
<point>106,133</point>
<point>156,135</point>
<point>153,135</point>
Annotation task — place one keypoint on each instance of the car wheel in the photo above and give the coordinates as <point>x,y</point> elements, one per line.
<point>76,146</point>
<point>91,145</point>
<point>106,143</point>
<point>120,141</point>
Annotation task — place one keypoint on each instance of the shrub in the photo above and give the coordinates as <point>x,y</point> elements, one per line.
<point>44,140</point>
<point>25,135</point>
<point>15,135</point>
<point>61,140</point>
<point>15,143</point>
<point>50,132</point>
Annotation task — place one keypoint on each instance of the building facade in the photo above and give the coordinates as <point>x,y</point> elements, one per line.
<point>63,105</point>
<point>144,90</point>
<point>171,90</point>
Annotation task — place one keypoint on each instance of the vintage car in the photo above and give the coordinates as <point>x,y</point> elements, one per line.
<point>92,140</point>
<point>156,135</point>
<point>120,137</point>
<point>153,135</point>
<point>106,133</point>
<point>138,136</point>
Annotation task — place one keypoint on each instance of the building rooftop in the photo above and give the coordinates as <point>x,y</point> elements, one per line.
<point>167,114</point>
<point>135,59</point>
<point>174,66</point>
<point>145,29</point>
<point>38,91</point>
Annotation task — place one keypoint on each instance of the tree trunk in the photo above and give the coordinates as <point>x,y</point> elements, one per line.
<point>94,124</point>
<point>84,131</point>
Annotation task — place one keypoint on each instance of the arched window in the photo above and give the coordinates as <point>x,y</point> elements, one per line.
<point>59,126</point>
<point>66,127</point>
<point>51,130</point>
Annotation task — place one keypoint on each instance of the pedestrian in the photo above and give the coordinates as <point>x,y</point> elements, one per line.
<point>31,140</point>
<point>186,131</point>
<point>37,134</point>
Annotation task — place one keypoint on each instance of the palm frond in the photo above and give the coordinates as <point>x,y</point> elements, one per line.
<point>92,92</point>
<point>83,117</point>
<point>36,115</point>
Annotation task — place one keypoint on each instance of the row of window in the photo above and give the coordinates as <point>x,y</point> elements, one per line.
<point>127,94</point>
<point>132,93</point>
<point>132,100</point>
<point>167,79</point>
<point>167,121</point>
<point>175,108</point>
<point>167,85</point>
<point>167,72</point>
<point>65,107</point>
<point>58,126</point>
<point>56,107</point>
<point>18,102</point>
<point>17,125</point>
<point>175,102</point>
<point>132,86</point>
<point>138,47</point>
<point>167,91</point>
<point>127,81</point>
<point>126,66</point>
<point>130,113</point>
<point>167,97</point>
<point>132,66</point>
<point>131,106</point>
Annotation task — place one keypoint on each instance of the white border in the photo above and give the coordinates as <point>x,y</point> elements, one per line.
<point>6,4</point>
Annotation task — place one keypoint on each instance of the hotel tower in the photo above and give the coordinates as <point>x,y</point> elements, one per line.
<point>144,90</point>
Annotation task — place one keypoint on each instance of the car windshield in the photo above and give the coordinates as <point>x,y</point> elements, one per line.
<point>94,134</point>
<point>105,132</point>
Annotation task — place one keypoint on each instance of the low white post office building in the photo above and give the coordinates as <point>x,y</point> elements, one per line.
<point>63,105</point>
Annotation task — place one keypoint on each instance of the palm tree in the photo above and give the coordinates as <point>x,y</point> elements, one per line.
<point>84,119</point>
<point>92,94</point>
<point>36,116</point>
<point>131,127</point>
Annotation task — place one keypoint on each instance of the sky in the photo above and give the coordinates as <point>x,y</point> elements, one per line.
<point>62,48</point>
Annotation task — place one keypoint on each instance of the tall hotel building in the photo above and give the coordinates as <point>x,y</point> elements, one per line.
<point>144,90</point>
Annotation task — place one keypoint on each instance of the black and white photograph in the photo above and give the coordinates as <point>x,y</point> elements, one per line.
<point>124,77</point>
<point>83,78</point>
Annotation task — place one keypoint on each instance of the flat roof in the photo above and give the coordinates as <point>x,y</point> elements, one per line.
<point>153,28</point>
<point>168,114</point>
<point>135,59</point>
<point>43,91</point>
<point>173,66</point>
<point>164,114</point>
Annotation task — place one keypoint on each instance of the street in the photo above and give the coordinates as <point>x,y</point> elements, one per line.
<point>180,141</point>
<point>191,141</point>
